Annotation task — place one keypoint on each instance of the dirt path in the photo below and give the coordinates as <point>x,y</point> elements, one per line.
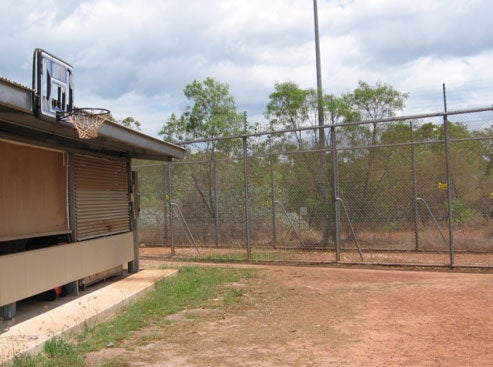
<point>306,316</point>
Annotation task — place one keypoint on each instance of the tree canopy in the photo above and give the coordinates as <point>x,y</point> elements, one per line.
<point>212,113</point>
<point>129,122</point>
<point>378,162</point>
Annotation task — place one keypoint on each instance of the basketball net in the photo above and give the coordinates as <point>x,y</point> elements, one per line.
<point>88,120</point>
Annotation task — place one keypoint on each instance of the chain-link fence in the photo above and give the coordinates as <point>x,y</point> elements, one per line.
<point>410,190</point>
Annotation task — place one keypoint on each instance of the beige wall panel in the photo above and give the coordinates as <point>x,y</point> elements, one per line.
<point>28,273</point>
<point>33,191</point>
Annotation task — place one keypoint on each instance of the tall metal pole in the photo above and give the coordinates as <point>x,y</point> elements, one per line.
<point>321,141</point>
<point>449,178</point>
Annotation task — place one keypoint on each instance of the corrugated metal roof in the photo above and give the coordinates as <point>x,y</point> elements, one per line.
<point>18,85</point>
<point>15,96</point>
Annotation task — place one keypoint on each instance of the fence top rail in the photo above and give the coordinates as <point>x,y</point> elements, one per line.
<point>304,151</point>
<point>364,122</point>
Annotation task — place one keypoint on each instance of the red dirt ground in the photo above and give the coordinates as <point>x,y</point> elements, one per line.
<point>319,316</point>
<point>467,259</point>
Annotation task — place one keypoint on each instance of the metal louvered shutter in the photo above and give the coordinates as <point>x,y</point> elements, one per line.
<point>101,202</point>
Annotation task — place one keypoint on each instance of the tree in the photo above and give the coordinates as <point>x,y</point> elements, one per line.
<point>469,162</point>
<point>291,107</point>
<point>131,123</point>
<point>376,103</point>
<point>339,109</point>
<point>212,114</point>
<point>372,103</point>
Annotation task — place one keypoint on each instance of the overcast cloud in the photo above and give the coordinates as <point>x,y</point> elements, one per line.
<point>134,57</point>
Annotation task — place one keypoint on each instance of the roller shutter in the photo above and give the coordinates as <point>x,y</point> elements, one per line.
<point>101,203</point>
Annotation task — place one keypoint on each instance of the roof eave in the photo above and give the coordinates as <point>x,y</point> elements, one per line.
<point>139,141</point>
<point>16,107</point>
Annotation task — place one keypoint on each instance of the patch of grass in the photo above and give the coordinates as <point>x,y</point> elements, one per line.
<point>24,361</point>
<point>114,362</point>
<point>232,297</point>
<point>267,255</point>
<point>58,347</point>
<point>56,352</point>
<point>194,287</point>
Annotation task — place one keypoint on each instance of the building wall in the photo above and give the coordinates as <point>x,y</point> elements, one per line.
<point>31,272</point>
<point>47,192</point>
<point>33,191</point>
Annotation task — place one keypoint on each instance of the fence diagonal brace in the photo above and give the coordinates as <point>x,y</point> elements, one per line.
<point>351,227</point>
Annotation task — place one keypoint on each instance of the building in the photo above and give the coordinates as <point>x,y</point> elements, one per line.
<point>68,206</point>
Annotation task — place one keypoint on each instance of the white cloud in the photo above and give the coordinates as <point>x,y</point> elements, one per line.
<point>135,57</point>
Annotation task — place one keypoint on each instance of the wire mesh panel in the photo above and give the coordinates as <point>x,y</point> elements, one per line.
<point>430,154</point>
<point>152,216</point>
<point>472,186</point>
<point>193,196</point>
<point>376,191</point>
<point>395,191</point>
<point>289,205</point>
<point>231,204</point>
<point>382,201</point>
<point>259,193</point>
<point>431,187</point>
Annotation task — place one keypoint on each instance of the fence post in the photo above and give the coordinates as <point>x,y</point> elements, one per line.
<point>216,202</point>
<point>415,188</point>
<point>165,205</point>
<point>247,199</point>
<point>335,194</point>
<point>170,211</point>
<point>273,195</point>
<point>449,178</point>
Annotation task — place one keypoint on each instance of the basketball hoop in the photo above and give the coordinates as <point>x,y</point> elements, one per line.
<point>86,120</point>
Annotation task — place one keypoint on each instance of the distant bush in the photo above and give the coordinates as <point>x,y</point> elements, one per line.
<point>150,216</point>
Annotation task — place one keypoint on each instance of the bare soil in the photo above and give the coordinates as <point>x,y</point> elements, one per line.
<point>319,316</point>
<point>375,257</point>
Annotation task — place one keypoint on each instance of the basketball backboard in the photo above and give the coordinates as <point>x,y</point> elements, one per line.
<point>53,83</point>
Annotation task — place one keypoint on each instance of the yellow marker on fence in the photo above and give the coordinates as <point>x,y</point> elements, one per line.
<point>442,186</point>
<point>491,195</point>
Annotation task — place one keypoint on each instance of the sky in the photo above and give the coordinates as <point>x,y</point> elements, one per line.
<point>134,57</point>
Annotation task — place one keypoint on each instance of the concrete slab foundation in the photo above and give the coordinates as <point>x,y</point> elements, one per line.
<point>31,335</point>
